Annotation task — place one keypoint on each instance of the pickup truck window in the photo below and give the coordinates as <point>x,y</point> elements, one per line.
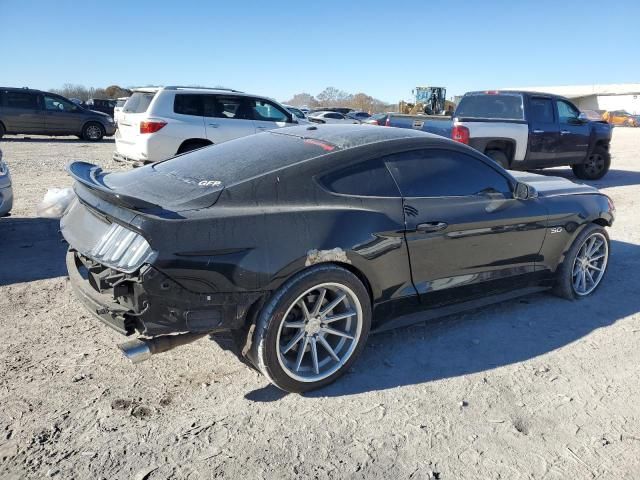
<point>541,110</point>
<point>566,112</point>
<point>507,106</point>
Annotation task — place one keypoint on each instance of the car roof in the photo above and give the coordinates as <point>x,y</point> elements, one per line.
<point>351,136</point>
<point>518,92</point>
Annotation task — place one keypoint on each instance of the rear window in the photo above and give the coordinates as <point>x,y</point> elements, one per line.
<point>503,106</point>
<point>138,102</point>
<point>244,158</point>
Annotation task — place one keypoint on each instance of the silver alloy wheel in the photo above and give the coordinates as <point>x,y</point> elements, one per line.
<point>93,132</point>
<point>590,264</point>
<point>320,331</point>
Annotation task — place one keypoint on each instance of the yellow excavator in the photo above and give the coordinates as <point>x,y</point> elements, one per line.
<point>428,101</point>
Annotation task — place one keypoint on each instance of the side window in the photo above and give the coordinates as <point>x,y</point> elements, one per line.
<point>188,104</point>
<point>566,112</point>
<point>268,112</point>
<point>58,104</point>
<point>337,116</point>
<point>541,110</point>
<point>228,106</point>
<point>368,179</point>
<point>20,100</point>
<point>444,173</point>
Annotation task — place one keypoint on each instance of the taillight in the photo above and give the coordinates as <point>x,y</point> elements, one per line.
<point>387,122</point>
<point>460,134</point>
<point>151,126</point>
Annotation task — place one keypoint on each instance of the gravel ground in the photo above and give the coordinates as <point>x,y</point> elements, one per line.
<point>535,388</point>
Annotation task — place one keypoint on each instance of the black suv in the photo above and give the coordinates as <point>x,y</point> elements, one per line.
<point>23,110</point>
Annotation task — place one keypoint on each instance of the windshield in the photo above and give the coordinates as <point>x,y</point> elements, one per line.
<point>138,102</point>
<point>507,106</point>
<point>296,112</point>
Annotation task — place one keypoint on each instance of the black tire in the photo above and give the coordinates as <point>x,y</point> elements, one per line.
<point>564,286</point>
<point>191,145</point>
<point>499,157</point>
<point>265,353</point>
<point>2,130</point>
<point>595,167</point>
<point>93,132</point>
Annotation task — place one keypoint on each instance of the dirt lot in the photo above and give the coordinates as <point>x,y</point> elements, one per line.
<point>535,388</point>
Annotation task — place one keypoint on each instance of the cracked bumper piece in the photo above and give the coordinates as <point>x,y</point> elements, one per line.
<point>151,303</point>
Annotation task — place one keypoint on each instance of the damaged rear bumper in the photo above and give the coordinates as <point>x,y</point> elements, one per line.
<point>151,303</point>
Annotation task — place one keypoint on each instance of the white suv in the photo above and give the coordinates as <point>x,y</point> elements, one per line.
<point>159,123</point>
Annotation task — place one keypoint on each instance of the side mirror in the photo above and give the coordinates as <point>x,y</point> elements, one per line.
<point>293,119</point>
<point>524,191</point>
<point>583,117</point>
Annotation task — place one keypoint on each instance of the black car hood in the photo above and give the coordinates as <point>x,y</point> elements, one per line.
<point>145,189</point>
<point>551,186</point>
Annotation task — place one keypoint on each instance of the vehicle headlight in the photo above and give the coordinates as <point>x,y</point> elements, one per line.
<point>122,249</point>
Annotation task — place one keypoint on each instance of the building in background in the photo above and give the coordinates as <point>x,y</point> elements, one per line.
<point>617,96</point>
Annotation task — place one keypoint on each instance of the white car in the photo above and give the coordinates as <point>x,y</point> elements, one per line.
<point>117,110</point>
<point>159,123</point>
<point>300,115</point>
<point>330,117</point>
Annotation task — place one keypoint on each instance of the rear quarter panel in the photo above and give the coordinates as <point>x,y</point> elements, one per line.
<point>493,130</point>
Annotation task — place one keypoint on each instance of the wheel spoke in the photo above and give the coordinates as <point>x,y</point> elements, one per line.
<point>590,277</point>
<point>301,353</point>
<point>333,331</point>
<point>305,310</point>
<point>583,279</point>
<point>328,348</point>
<point>293,341</point>
<point>597,257</point>
<point>318,305</point>
<point>587,252</point>
<point>339,316</point>
<point>333,304</point>
<point>294,324</point>
<point>314,355</point>
<point>593,267</point>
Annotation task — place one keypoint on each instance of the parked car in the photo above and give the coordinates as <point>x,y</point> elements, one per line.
<point>6,190</point>
<point>594,115</point>
<point>101,105</point>
<point>301,240</point>
<point>620,118</point>
<point>526,130</point>
<point>27,111</point>
<point>118,108</point>
<point>299,114</point>
<point>358,115</point>
<point>438,125</point>
<point>159,123</point>
<point>330,117</point>
<point>342,110</point>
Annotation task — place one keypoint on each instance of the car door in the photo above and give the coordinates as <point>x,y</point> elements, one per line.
<point>228,117</point>
<point>267,115</point>
<point>21,112</point>
<point>466,234</point>
<point>544,134</point>
<point>62,117</point>
<point>574,134</point>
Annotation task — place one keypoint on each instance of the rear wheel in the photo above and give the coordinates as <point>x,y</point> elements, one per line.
<point>93,132</point>
<point>585,264</point>
<point>312,330</point>
<point>595,167</point>
<point>499,157</point>
<point>2,130</point>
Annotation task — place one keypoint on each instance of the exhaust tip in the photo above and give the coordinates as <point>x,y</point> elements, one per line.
<point>136,350</point>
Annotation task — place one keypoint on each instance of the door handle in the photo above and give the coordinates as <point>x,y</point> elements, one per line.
<point>432,226</point>
<point>564,132</point>
<point>214,125</point>
<point>538,131</point>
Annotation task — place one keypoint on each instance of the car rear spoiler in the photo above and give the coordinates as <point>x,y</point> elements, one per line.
<point>89,175</point>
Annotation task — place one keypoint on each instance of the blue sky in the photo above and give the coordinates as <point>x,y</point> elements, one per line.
<point>278,48</point>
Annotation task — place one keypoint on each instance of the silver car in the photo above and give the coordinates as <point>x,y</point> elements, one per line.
<point>6,192</point>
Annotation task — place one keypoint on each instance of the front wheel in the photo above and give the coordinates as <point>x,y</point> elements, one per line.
<point>313,328</point>
<point>595,167</point>
<point>584,264</point>
<point>93,132</point>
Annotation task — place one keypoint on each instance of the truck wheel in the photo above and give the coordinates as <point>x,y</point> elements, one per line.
<point>2,130</point>
<point>595,167</point>
<point>499,157</point>
<point>312,329</point>
<point>584,264</point>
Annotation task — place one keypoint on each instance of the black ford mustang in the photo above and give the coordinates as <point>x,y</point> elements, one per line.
<point>302,240</point>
